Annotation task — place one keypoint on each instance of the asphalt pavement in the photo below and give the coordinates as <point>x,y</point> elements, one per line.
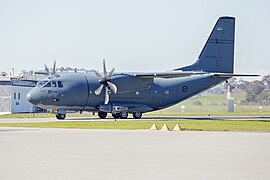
<point>32,153</point>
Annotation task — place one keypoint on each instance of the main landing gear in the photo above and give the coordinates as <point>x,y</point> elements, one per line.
<point>121,115</point>
<point>102,115</point>
<point>60,116</point>
<point>137,115</point>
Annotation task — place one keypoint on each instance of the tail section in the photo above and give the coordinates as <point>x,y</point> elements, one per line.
<point>218,53</point>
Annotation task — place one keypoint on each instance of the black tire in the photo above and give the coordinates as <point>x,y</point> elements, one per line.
<point>116,116</point>
<point>123,115</point>
<point>60,116</point>
<point>137,115</point>
<point>102,115</point>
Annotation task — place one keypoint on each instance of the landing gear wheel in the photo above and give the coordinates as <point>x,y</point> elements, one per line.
<point>60,116</point>
<point>123,115</point>
<point>116,116</point>
<point>137,115</point>
<point>102,115</point>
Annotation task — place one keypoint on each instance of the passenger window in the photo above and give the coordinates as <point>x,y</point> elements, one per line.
<point>60,84</point>
<point>49,92</point>
<point>167,93</point>
<point>54,84</point>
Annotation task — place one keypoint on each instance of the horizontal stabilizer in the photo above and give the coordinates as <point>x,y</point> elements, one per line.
<point>229,75</point>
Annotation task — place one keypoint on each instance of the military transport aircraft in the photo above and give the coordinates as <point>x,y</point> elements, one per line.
<point>137,92</point>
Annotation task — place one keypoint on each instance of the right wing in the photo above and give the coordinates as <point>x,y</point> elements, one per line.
<point>167,74</point>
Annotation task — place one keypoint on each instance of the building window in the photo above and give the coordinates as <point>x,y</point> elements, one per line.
<point>19,95</point>
<point>14,96</point>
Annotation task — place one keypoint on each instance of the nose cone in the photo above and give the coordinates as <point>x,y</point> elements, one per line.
<point>32,97</point>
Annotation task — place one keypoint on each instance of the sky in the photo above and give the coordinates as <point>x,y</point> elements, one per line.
<point>131,35</point>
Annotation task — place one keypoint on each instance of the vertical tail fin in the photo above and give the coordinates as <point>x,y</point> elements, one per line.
<point>218,52</point>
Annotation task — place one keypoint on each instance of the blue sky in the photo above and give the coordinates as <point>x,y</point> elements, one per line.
<point>139,35</point>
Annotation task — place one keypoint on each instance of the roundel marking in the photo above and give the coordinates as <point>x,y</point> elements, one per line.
<point>184,88</point>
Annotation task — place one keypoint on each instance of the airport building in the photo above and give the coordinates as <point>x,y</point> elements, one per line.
<point>13,96</point>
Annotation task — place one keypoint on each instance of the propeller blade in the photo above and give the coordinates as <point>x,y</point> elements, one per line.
<point>47,69</point>
<point>98,74</point>
<point>41,72</point>
<point>99,89</point>
<point>107,97</point>
<point>104,80</point>
<point>54,67</point>
<point>104,69</point>
<point>112,87</point>
<point>110,73</point>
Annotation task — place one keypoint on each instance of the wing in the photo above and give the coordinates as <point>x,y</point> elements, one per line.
<point>128,82</point>
<point>167,74</point>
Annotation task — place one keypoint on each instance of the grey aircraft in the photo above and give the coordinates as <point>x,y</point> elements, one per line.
<point>136,93</point>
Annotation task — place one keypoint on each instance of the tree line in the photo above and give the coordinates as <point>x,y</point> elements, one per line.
<point>257,92</point>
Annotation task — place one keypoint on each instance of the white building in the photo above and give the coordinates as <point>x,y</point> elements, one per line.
<point>13,96</point>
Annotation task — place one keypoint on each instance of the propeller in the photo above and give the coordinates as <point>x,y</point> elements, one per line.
<point>105,81</point>
<point>47,70</point>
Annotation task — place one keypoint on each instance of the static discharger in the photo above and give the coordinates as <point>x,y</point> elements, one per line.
<point>165,128</point>
<point>154,127</point>
<point>177,127</point>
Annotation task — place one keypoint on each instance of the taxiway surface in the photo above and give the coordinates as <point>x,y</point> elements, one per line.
<point>29,153</point>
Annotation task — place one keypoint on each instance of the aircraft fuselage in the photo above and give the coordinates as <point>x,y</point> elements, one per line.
<point>77,93</point>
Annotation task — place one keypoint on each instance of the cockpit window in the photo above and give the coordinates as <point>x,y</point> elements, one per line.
<point>48,84</point>
<point>54,84</point>
<point>60,84</point>
<point>44,83</point>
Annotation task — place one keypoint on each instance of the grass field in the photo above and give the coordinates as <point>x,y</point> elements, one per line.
<point>199,106</point>
<point>215,104</point>
<point>193,125</point>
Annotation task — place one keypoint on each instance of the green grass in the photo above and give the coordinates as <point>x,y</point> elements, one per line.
<point>42,115</point>
<point>193,125</point>
<point>214,105</point>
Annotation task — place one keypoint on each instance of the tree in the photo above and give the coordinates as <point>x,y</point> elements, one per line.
<point>264,97</point>
<point>266,80</point>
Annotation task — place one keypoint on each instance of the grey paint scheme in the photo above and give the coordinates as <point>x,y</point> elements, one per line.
<point>144,92</point>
